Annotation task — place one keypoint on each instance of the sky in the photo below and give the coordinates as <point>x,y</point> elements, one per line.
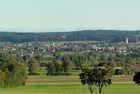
<point>66,15</point>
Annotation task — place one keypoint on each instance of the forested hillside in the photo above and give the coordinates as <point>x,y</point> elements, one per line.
<point>84,35</point>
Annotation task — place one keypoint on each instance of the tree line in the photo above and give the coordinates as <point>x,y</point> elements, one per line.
<point>84,35</point>
<point>63,64</point>
<point>15,68</point>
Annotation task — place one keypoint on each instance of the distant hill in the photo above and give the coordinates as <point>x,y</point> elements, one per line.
<point>84,35</point>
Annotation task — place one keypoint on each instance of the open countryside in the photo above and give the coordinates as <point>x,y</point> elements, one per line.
<point>54,67</point>
<point>69,47</point>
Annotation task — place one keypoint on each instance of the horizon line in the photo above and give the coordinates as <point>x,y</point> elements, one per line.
<point>59,31</point>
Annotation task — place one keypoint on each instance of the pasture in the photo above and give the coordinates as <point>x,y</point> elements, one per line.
<point>70,85</point>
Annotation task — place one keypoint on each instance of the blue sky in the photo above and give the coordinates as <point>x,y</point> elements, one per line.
<point>61,15</point>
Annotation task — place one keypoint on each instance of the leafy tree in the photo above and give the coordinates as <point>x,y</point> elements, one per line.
<point>51,68</point>
<point>66,64</point>
<point>54,68</point>
<point>136,78</point>
<point>94,78</point>
<point>58,67</point>
<point>103,57</point>
<point>33,66</point>
<point>12,72</point>
<point>38,57</point>
<point>80,61</point>
<point>26,58</point>
<point>93,60</point>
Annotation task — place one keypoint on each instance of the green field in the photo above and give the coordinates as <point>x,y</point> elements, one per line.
<point>70,85</point>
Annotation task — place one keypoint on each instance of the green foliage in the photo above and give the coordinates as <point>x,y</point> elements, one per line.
<point>12,72</point>
<point>54,68</point>
<point>136,78</point>
<point>95,77</point>
<point>51,68</point>
<point>66,64</point>
<point>33,66</point>
<point>96,35</point>
<point>59,68</point>
<point>81,60</point>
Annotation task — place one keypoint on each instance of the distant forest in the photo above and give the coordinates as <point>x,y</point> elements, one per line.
<point>84,35</point>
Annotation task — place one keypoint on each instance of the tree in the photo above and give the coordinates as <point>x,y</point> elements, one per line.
<point>136,78</point>
<point>80,61</point>
<point>54,68</point>
<point>95,77</point>
<point>33,66</point>
<point>51,68</point>
<point>58,67</point>
<point>66,64</point>
<point>12,72</point>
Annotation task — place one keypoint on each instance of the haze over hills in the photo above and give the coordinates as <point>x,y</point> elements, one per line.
<point>83,35</point>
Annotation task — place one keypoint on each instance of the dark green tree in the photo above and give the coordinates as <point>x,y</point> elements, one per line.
<point>66,64</point>
<point>81,61</point>
<point>12,72</point>
<point>95,77</point>
<point>136,78</point>
<point>51,68</point>
<point>54,68</point>
<point>58,67</point>
<point>33,66</point>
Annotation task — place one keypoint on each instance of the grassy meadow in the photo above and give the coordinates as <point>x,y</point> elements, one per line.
<point>70,85</point>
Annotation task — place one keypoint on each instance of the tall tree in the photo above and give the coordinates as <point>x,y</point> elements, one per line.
<point>51,68</point>
<point>12,72</point>
<point>54,68</point>
<point>94,78</point>
<point>33,66</point>
<point>66,64</point>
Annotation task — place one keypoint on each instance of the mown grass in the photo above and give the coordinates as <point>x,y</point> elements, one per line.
<point>74,87</point>
<point>73,78</point>
<point>71,85</point>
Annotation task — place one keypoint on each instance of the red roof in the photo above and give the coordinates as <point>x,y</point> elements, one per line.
<point>9,46</point>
